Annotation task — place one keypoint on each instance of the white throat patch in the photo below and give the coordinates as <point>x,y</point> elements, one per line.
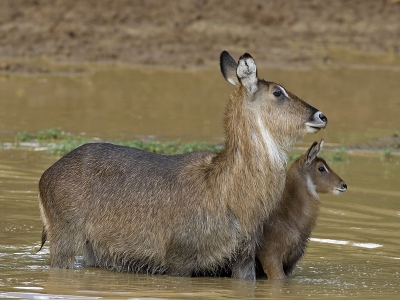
<point>276,155</point>
<point>311,186</point>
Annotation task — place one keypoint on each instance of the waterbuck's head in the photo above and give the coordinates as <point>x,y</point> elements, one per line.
<point>320,177</point>
<point>276,117</point>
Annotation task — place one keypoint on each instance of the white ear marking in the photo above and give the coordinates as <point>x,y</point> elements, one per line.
<point>230,80</point>
<point>321,143</point>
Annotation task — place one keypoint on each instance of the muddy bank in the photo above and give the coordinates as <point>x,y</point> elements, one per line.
<point>193,33</point>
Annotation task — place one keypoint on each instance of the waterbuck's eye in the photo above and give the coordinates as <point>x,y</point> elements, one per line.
<point>277,93</point>
<point>322,169</point>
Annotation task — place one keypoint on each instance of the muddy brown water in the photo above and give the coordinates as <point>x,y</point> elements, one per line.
<point>354,250</point>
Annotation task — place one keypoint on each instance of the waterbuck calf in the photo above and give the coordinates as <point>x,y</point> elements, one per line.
<point>288,229</point>
<point>138,211</point>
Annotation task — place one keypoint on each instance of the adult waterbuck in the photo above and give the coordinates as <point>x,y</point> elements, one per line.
<point>289,227</point>
<point>137,211</point>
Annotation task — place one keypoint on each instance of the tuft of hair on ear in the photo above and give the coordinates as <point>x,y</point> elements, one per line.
<point>246,55</point>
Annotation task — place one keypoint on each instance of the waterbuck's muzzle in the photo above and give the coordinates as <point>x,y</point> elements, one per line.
<point>341,189</point>
<point>317,122</point>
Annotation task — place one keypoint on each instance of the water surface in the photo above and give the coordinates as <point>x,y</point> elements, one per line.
<point>354,249</point>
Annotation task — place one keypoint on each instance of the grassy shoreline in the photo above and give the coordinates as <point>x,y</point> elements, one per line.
<point>57,142</point>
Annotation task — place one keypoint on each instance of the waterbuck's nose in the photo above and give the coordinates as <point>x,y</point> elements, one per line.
<point>343,186</point>
<point>320,119</point>
<point>323,118</point>
<point>316,122</point>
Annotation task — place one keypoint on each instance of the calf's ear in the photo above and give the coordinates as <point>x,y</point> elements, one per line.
<point>313,151</point>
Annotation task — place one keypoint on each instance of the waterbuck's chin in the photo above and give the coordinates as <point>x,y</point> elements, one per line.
<point>132,210</point>
<point>289,227</point>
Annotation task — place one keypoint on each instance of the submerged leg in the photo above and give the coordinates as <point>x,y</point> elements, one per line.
<point>179,269</point>
<point>63,248</point>
<point>89,258</point>
<point>244,267</point>
<point>272,266</point>
<point>179,273</point>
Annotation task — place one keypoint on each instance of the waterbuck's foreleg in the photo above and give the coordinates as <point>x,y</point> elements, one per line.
<point>244,266</point>
<point>89,258</point>
<point>177,264</point>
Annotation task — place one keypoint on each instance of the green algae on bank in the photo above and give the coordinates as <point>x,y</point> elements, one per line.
<point>58,142</point>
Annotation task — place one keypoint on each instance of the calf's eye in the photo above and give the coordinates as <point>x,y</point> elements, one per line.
<point>321,169</point>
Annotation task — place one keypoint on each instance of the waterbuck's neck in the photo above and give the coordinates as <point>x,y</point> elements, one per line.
<point>252,165</point>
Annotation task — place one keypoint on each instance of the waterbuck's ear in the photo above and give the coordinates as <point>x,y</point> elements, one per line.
<point>247,73</point>
<point>313,152</point>
<point>228,68</point>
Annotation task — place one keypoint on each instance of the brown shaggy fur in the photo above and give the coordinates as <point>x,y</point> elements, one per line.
<point>137,211</point>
